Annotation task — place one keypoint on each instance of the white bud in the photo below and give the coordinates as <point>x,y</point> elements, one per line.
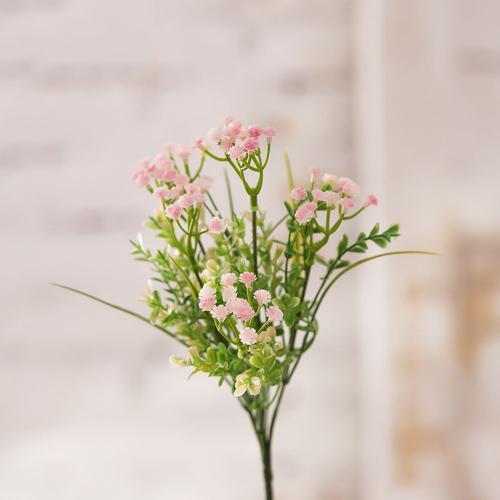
<point>178,361</point>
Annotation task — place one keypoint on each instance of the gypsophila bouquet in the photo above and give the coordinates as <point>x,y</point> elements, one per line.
<point>225,286</point>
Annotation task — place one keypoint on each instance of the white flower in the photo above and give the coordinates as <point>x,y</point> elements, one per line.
<point>246,383</point>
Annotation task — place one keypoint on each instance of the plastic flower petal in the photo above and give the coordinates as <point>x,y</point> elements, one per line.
<point>274,314</point>
<point>370,200</point>
<point>228,279</point>
<point>306,212</point>
<point>247,278</point>
<point>248,336</point>
<point>262,297</point>
<point>298,194</point>
<point>216,225</point>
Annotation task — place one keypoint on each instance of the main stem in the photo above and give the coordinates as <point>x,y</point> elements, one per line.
<point>253,207</point>
<point>267,468</point>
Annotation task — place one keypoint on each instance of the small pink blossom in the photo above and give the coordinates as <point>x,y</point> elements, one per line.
<point>318,195</point>
<point>247,278</point>
<point>269,132</point>
<point>162,162</point>
<point>168,174</point>
<point>370,200</point>
<point>236,152</point>
<point>204,182</point>
<point>141,177</point>
<point>186,201</point>
<point>262,296</point>
<point>233,128</point>
<point>253,131</point>
<point>226,143</point>
<point>241,308</point>
<point>216,225</point>
<point>333,181</point>
<point>199,144</point>
<point>164,193</point>
<point>248,336</point>
<point>173,211</point>
<point>331,198</point>
<point>228,279</point>
<point>220,312</point>
<point>207,303</point>
<point>315,174</point>
<point>228,119</point>
<point>250,144</point>
<point>181,180</point>
<point>274,314</point>
<point>346,204</point>
<point>215,134</point>
<point>228,294</point>
<point>184,152</point>
<point>298,194</point>
<point>306,212</point>
<point>191,188</point>
<point>349,187</point>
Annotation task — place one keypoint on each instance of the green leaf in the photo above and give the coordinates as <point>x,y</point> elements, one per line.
<point>374,230</point>
<point>343,244</point>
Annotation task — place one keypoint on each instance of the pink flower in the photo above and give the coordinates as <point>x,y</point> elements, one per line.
<point>247,278</point>
<point>262,296</point>
<point>173,211</point>
<point>229,294</point>
<point>216,225</point>
<point>269,132</point>
<point>198,143</point>
<point>318,195</point>
<point>191,188</point>
<point>181,180</point>
<point>141,177</point>
<point>204,182</point>
<point>306,212</point>
<point>332,180</point>
<point>241,308</point>
<point>248,336</point>
<point>274,314</point>
<point>220,312</point>
<point>164,193</point>
<point>168,174</point>
<point>186,201</point>
<point>207,303</point>
<point>226,143</point>
<point>370,200</point>
<point>228,279</point>
<point>184,152</point>
<point>331,198</point>
<point>233,128</point>
<point>250,144</point>
<point>254,131</point>
<point>206,291</point>
<point>346,204</point>
<point>349,187</point>
<point>298,194</point>
<point>315,174</point>
<point>162,162</point>
<point>215,134</point>
<point>228,119</point>
<point>236,151</point>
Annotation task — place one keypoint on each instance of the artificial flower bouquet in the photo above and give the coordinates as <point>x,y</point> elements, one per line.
<point>225,287</point>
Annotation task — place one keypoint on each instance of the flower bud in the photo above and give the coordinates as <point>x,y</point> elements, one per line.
<point>178,361</point>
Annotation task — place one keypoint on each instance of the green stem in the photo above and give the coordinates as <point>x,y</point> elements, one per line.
<point>253,207</point>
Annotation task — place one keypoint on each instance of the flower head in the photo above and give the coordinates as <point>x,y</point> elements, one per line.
<point>220,312</point>
<point>250,144</point>
<point>141,177</point>
<point>298,194</point>
<point>247,278</point>
<point>216,225</point>
<point>315,174</point>
<point>241,308</point>
<point>262,297</point>
<point>349,187</point>
<point>228,279</point>
<point>370,200</point>
<point>184,152</point>
<point>229,293</point>
<point>306,212</point>
<point>173,211</point>
<point>248,336</point>
<point>346,204</point>
<point>274,314</point>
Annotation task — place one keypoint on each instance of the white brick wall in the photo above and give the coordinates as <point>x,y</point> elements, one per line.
<point>89,406</point>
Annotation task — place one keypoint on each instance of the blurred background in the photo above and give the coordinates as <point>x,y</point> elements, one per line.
<point>399,398</point>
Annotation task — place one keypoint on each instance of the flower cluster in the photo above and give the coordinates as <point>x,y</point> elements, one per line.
<point>327,192</point>
<point>235,140</point>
